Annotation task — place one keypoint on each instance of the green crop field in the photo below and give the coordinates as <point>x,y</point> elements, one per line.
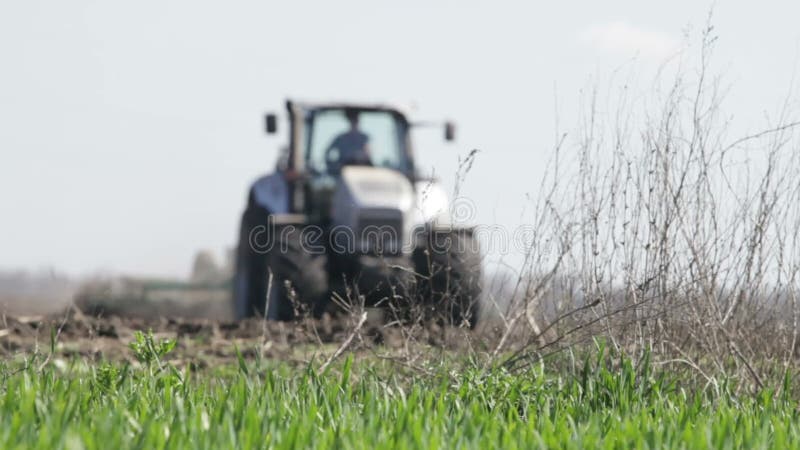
<point>604,401</point>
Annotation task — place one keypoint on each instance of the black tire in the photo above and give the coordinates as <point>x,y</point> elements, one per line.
<point>249,286</point>
<point>450,267</point>
<point>299,280</point>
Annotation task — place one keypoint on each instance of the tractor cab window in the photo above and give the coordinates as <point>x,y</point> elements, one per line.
<point>339,137</point>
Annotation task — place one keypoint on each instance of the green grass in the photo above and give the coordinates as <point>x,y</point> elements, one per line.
<point>366,404</point>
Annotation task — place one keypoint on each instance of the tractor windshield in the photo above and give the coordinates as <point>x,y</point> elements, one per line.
<point>339,137</point>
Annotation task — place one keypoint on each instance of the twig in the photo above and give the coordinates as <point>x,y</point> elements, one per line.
<point>345,344</point>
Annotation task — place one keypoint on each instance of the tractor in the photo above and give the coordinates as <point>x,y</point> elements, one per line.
<point>346,215</point>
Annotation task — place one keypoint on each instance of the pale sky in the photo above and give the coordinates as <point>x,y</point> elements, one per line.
<point>129,132</point>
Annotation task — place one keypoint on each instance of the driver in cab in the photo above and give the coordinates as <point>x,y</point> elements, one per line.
<point>348,148</point>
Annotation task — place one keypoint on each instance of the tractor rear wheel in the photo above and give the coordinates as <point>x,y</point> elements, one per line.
<point>450,267</point>
<point>275,274</point>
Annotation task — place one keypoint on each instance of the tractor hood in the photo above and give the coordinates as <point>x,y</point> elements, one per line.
<point>377,187</point>
<point>367,198</point>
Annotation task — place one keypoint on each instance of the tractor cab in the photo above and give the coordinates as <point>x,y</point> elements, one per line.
<point>338,137</point>
<point>325,138</point>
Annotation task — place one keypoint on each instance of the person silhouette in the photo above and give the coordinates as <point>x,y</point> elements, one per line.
<point>352,146</point>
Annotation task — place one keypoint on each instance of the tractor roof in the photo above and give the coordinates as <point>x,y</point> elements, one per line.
<point>308,105</point>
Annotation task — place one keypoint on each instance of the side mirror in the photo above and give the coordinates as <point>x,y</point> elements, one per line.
<point>449,131</point>
<point>272,123</point>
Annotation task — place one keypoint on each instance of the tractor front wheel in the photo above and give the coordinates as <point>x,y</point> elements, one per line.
<point>296,279</point>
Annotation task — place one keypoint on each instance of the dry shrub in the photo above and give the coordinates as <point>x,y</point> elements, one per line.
<point>658,231</point>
